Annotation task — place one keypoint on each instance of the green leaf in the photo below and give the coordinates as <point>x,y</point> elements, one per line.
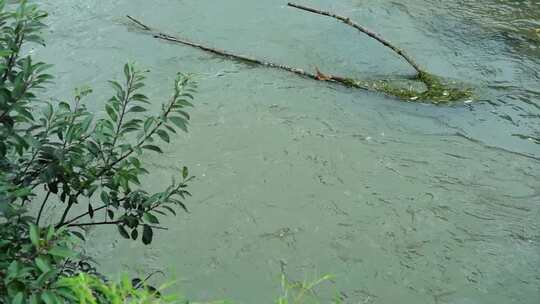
<point>150,218</point>
<point>111,113</point>
<point>87,122</point>
<point>62,252</point>
<point>184,113</point>
<point>184,103</point>
<point>123,231</point>
<point>42,264</point>
<point>13,270</point>
<point>183,206</point>
<point>153,148</point>
<point>105,197</point>
<point>18,298</point>
<point>148,235</point>
<point>137,109</point>
<point>67,294</point>
<point>187,95</point>
<point>127,71</point>
<point>117,87</point>
<point>44,277</point>
<point>170,129</point>
<point>134,234</point>
<point>5,53</point>
<point>34,235</point>
<point>147,124</point>
<point>50,233</point>
<point>78,235</point>
<point>64,106</point>
<point>33,299</point>
<point>90,211</point>
<point>163,135</point>
<point>140,97</point>
<point>180,122</point>
<point>22,192</point>
<point>185,172</point>
<point>171,210</point>
<point>48,297</point>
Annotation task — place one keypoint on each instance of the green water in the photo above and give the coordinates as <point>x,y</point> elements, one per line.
<point>382,194</point>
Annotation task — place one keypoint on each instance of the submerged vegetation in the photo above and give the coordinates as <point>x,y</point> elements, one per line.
<point>436,90</point>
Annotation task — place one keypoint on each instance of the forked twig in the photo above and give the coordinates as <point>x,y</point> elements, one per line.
<point>436,91</point>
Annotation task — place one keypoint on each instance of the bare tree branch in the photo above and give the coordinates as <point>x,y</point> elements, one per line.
<point>109,223</point>
<point>250,60</point>
<point>364,30</point>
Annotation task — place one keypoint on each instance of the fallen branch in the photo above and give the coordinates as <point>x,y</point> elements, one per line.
<point>364,30</point>
<point>436,91</point>
<point>318,76</point>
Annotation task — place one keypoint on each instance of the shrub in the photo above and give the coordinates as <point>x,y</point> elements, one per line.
<point>62,154</point>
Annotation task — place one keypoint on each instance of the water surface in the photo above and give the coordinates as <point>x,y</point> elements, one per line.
<point>402,202</point>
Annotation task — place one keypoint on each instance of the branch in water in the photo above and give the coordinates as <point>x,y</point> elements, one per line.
<point>364,30</point>
<point>318,76</point>
<point>436,91</point>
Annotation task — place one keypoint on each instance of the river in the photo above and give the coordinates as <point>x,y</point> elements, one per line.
<point>402,202</point>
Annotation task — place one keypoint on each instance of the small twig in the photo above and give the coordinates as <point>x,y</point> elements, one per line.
<point>125,101</point>
<point>148,277</point>
<point>84,214</point>
<point>364,30</point>
<point>64,215</point>
<point>109,223</point>
<point>145,27</point>
<point>94,223</point>
<point>42,207</point>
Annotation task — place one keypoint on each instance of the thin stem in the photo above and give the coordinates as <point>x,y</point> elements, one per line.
<point>42,207</point>
<point>83,215</point>
<point>64,215</point>
<point>109,223</point>
<point>11,61</point>
<point>71,121</point>
<point>140,284</point>
<point>95,223</point>
<point>125,102</point>
<point>34,155</point>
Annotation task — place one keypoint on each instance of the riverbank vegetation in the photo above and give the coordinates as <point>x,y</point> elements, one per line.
<point>89,168</point>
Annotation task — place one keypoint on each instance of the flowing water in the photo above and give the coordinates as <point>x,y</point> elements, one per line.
<point>402,202</point>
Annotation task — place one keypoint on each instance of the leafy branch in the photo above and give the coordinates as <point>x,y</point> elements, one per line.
<point>59,153</point>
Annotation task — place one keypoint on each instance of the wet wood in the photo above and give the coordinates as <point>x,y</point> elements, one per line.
<point>318,75</point>
<point>364,30</point>
<point>436,91</point>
